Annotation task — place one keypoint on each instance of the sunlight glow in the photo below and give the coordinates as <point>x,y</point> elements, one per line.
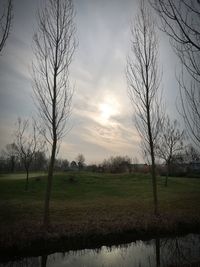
<point>108,109</point>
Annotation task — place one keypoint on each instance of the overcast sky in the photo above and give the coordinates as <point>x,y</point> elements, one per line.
<point>101,119</point>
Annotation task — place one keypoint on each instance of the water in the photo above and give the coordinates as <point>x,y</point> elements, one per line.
<point>163,252</point>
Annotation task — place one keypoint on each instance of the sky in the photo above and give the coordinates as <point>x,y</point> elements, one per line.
<point>101,123</point>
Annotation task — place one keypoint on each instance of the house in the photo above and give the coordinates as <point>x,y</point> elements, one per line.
<point>194,166</point>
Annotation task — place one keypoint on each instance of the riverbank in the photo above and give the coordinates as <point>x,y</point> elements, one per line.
<point>93,210</point>
<point>33,240</point>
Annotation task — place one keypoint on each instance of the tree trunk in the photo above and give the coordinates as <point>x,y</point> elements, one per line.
<point>44,260</point>
<point>154,181</point>
<point>153,167</point>
<point>53,151</point>
<point>12,163</point>
<point>157,252</point>
<point>27,181</point>
<point>46,220</point>
<point>167,175</point>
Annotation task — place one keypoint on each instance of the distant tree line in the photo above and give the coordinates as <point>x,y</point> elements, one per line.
<point>182,163</point>
<point>185,160</point>
<point>11,161</point>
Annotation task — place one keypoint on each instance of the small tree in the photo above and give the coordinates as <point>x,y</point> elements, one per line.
<point>144,80</point>
<point>170,142</point>
<point>80,161</point>
<point>73,165</point>
<point>6,18</point>
<point>27,143</point>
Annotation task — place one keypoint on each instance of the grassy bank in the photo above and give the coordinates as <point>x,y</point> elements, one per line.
<point>94,205</point>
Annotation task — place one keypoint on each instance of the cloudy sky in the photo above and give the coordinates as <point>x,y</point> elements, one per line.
<point>101,122</point>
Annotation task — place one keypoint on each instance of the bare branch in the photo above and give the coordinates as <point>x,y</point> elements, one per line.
<point>181,21</point>
<point>5,22</point>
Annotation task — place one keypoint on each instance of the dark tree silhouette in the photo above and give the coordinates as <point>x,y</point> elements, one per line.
<point>192,153</point>
<point>73,164</point>
<point>144,80</point>
<point>170,142</point>
<point>54,47</point>
<point>117,164</point>
<point>181,21</point>
<point>80,161</point>
<point>6,18</point>
<point>27,142</point>
<point>12,155</point>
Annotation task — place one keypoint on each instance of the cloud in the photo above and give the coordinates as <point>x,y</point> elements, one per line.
<point>101,116</point>
<point>115,135</point>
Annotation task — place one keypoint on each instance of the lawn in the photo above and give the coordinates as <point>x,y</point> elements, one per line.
<point>84,202</point>
<point>89,193</point>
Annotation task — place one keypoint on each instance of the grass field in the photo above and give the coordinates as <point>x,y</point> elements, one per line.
<point>96,202</point>
<point>91,193</point>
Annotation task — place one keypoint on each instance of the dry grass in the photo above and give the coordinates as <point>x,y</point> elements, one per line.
<point>95,205</point>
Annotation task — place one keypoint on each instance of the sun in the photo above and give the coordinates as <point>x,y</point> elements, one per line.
<point>108,109</point>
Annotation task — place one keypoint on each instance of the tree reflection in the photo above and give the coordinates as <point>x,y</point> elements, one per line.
<point>165,252</point>
<point>44,260</point>
<point>175,252</point>
<point>179,251</point>
<point>157,244</point>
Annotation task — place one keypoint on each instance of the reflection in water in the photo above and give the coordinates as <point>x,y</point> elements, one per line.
<point>181,251</point>
<point>44,260</point>
<point>157,241</point>
<point>176,252</point>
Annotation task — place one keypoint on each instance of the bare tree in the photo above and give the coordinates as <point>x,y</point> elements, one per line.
<point>170,142</point>
<point>54,45</point>
<point>181,21</point>
<point>144,80</point>
<point>116,164</point>
<point>11,153</point>
<point>192,153</point>
<point>80,161</point>
<point>6,18</point>
<point>27,142</point>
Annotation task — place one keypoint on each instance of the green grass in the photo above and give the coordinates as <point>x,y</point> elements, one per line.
<point>102,196</point>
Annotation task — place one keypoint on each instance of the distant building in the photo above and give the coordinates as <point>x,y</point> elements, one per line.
<point>194,166</point>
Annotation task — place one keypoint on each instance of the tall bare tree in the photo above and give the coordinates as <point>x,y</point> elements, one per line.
<point>6,17</point>
<point>54,45</point>
<point>181,21</point>
<point>27,142</point>
<point>144,79</point>
<point>171,141</point>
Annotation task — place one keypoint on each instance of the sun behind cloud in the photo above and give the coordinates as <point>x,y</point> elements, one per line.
<point>106,111</point>
<point>108,108</point>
